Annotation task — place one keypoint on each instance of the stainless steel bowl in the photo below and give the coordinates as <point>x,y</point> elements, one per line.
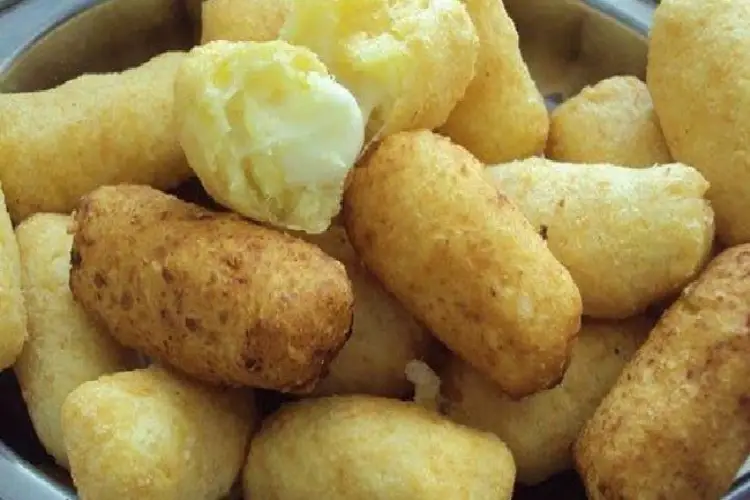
<point>740,490</point>
<point>4,4</point>
<point>568,44</point>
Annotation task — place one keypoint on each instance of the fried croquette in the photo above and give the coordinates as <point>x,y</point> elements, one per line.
<point>57,145</point>
<point>676,424</point>
<point>463,259</point>
<point>65,347</point>
<point>361,447</point>
<point>630,237</point>
<point>698,63</point>
<point>151,434</point>
<point>407,62</point>
<point>540,429</point>
<point>214,296</point>
<point>611,122</point>
<point>502,115</point>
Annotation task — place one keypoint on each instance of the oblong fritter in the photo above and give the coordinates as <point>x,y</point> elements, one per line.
<point>216,296</point>
<point>463,259</point>
<point>677,422</point>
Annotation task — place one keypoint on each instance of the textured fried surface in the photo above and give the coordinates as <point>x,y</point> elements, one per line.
<point>502,115</point>
<point>152,435</point>
<point>463,259</point>
<point>385,337</point>
<point>57,145</point>
<point>365,448</point>
<point>218,297</point>
<point>611,122</point>
<point>698,66</point>
<point>408,62</point>
<point>12,308</point>
<point>243,20</point>
<point>65,347</point>
<point>677,422</point>
<point>630,237</point>
<point>540,429</point>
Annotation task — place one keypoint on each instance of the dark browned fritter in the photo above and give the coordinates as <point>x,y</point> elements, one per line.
<point>216,296</point>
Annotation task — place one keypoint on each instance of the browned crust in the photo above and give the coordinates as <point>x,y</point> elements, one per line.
<point>218,297</point>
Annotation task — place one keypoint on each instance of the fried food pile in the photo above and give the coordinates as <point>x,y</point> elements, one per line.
<point>447,289</point>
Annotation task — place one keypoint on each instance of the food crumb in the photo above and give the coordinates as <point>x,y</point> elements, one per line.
<point>426,384</point>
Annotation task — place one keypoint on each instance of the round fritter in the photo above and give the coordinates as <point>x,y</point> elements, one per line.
<point>367,448</point>
<point>611,122</point>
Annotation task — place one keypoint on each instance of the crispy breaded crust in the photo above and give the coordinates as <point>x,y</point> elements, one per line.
<point>630,237</point>
<point>367,448</point>
<point>677,422</point>
<point>611,122</point>
<point>540,429</point>
<point>698,66</point>
<point>243,20</point>
<point>502,115</point>
<point>57,145</point>
<point>463,259</point>
<point>154,435</point>
<point>65,347</point>
<point>218,297</point>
